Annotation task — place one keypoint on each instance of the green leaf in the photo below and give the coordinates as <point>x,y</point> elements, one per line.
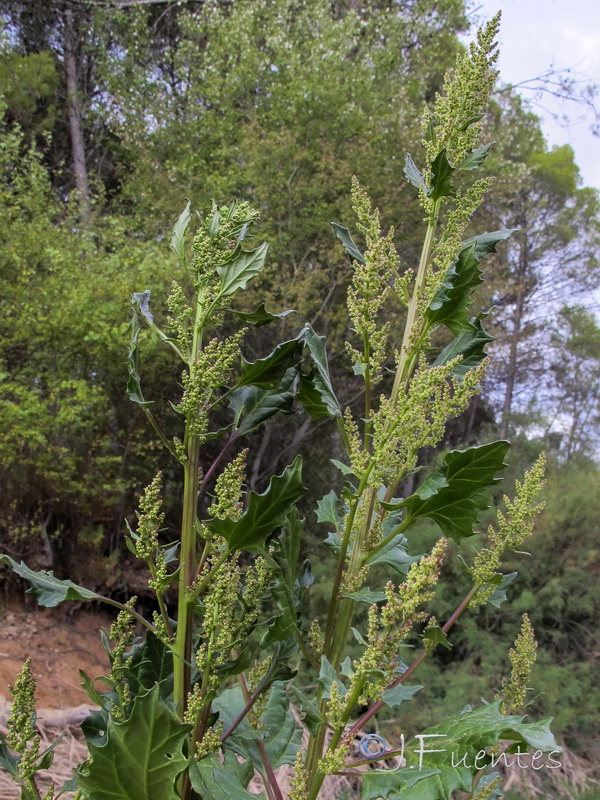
<point>142,756</point>
<point>435,635</point>
<point>327,676</point>
<point>312,718</point>
<point>214,780</point>
<point>471,121</point>
<point>316,392</point>
<point>279,629</point>
<point>284,734</point>
<point>455,493</point>
<point>150,664</point>
<point>94,727</point>
<point>48,590</point>
<point>441,177</point>
<point>476,157</point>
<point>388,783</point>
<point>450,303</point>
<point>328,510</point>
<point>253,406</point>
<point>286,589</point>
<point>399,694</point>
<point>470,345</point>
<point>413,175</point>
<point>177,242</point>
<point>267,372</point>
<point>499,596</point>
<point>235,667</point>
<point>236,273</point>
<point>264,513</point>
<point>459,739</point>
<point>343,235</point>
<point>260,316</point>
<point>99,698</point>
<point>395,555</point>
<point>343,468</point>
<point>8,760</point>
<point>134,387</point>
<point>215,223</point>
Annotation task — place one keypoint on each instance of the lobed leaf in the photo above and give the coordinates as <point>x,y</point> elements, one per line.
<point>264,513</point>
<point>470,345</point>
<point>142,756</point>
<point>267,372</point>
<point>476,157</point>
<point>441,177</point>
<point>253,406</point>
<point>316,391</point>
<point>284,733</point>
<point>450,303</point>
<point>260,316</point>
<point>346,239</point>
<point>214,780</point>
<point>177,242</point>
<point>236,273</point>
<point>48,590</point>
<point>455,493</point>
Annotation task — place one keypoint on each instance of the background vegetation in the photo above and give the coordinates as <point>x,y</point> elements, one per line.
<point>112,112</point>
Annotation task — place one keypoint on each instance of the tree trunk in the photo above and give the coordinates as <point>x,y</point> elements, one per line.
<point>517,322</point>
<point>74,112</point>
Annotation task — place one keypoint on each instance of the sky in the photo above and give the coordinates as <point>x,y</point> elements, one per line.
<point>537,35</point>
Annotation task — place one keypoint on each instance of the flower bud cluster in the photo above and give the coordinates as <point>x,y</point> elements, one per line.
<point>418,418</point>
<point>522,657</point>
<point>211,370</point>
<point>22,735</point>
<point>454,122</point>
<point>180,316</point>
<point>258,578</point>
<point>255,676</point>
<point>451,241</point>
<point>150,519</point>
<point>214,247</point>
<point>122,632</point>
<point>299,779</point>
<point>316,638</point>
<point>227,503</point>
<point>389,626</point>
<point>488,791</point>
<point>371,284</point>
<point>513,528</point>
<point>211,742</point>
<point>221,629</point>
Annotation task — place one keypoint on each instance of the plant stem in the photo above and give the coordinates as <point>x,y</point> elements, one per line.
<point>242,715</point>
<point>271,784</point>
<point>183,639</point>
<point>109,601</point>
<point>406,363</point>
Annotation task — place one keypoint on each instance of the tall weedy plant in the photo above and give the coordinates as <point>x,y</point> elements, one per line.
<point>205,699</point>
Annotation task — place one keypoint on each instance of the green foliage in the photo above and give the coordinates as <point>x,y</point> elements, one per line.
<point>276,102</point>
<point>141,757</point>
<point>264,512</point>
<point>459,489</point>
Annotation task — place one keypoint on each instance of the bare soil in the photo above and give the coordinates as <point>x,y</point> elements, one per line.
<point>59,644</point>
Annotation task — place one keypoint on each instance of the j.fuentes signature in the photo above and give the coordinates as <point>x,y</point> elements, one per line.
<point>374,747</point>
